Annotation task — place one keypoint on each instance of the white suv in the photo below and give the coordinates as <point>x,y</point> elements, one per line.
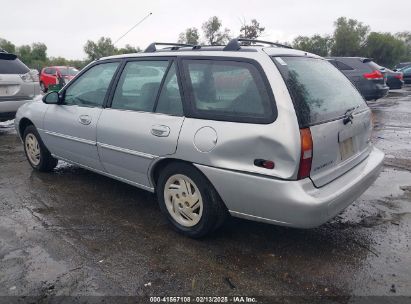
<point>18,85</point>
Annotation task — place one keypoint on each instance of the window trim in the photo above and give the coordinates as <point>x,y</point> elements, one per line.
<point>190,107</point>
<point>62,92</point>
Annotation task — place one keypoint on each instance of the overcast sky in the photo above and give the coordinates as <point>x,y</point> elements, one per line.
<point>65,26</point>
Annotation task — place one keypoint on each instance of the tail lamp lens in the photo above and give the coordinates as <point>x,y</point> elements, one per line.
<point>373,75</point>
<point>306,153</point>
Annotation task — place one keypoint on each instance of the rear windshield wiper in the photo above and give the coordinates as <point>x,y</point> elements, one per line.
<point>348,115</point>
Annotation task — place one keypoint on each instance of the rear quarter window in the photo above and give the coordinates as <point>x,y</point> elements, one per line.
<point>228,90</point>
<point>13,67</point>
<point>320,92</point>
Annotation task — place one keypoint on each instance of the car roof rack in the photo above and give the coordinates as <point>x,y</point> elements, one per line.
<point>173,46</point>
<point>235,44</point>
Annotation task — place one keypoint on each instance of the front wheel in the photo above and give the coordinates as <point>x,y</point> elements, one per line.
<point>36,152</point>
<point>189,200</point>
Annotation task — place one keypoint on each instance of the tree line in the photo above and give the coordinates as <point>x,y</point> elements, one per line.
<point>350,38</point>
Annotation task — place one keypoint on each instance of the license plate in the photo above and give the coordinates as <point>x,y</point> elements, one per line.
<point>346,148</point>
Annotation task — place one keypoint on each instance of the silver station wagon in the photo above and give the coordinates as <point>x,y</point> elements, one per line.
<point>262,132</point>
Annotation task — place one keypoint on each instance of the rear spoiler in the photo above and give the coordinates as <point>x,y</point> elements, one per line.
<point>365,60</point>
<point>7,56</point>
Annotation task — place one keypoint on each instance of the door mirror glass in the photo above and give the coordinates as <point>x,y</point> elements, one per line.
<point>51,98</point>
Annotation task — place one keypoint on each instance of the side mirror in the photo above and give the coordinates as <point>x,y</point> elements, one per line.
<point>51,98</point>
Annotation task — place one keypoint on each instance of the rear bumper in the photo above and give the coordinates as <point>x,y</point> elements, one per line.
<point>9,108</point>
<point>395,84</point>
<point>378,91</point>
<point>292,203</point>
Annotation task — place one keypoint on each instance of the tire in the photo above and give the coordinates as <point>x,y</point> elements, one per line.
<point>36,152</point>
<point>43,87</point>
<point>210,209</point>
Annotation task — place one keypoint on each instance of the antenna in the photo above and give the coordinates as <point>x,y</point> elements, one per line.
<point>137,24</point>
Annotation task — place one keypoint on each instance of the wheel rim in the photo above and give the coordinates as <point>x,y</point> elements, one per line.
<point>183,200</point>
<point>32,149</point>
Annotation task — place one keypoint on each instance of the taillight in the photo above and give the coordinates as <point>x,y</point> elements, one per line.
<point>31,76</point>
<point>306,153</point>
<point>399,76</point>
<point>373,75</point>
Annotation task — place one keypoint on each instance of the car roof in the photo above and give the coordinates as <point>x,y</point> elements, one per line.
<point>246,51</point>
<point>236,47</point>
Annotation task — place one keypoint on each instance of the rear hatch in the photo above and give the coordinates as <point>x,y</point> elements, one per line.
<point>377,73</point>
<point>328,104</point>
<point>16,79</point>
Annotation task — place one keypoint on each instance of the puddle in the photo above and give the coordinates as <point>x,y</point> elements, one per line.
<point>390,183</point>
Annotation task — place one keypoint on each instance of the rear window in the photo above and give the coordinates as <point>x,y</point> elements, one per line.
<point>68,71</point>
<point>13,67</point>
<point>228,90</point>
<point>373,65</point>
<point>320,92</point>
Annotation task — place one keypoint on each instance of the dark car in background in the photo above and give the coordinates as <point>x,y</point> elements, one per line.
<point>406,74</point>
<point>402,65</point>
<point>394,79</point>
<point>368,77</point>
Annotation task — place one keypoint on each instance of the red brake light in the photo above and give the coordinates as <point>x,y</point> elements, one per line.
<point>399,76</point>
<point>373,75</point>
<point>306,153</point>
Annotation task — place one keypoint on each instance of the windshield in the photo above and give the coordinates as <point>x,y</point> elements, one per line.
<point>320,92</point>
<point>68,71</point>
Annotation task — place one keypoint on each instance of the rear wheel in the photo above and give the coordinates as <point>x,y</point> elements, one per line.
<point>36,152</point>
<point>189,200</point>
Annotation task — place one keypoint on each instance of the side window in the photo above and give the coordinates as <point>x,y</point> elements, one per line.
<point>138,86</point>
<point>228,90</point>
<point>344,67</point>
<point>170,101</point>
<point>90,89</point>
<point>52,71</point>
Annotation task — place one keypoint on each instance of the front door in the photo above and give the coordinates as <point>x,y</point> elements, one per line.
<point>144,119</point>
<point>69,129</point>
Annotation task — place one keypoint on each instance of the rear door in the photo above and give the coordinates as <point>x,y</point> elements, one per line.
<point>337,116</point>
<point>144,119</point>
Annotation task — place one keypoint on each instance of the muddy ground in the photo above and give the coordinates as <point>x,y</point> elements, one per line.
<point>73,232</point>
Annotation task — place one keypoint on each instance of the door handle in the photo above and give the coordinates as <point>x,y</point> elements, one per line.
<point>84,119</point>
<point>160,130</point>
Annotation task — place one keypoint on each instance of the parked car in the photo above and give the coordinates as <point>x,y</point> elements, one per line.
<point>394,79</point>
<point>50,75</point>
<point>18,85</point>
<point>402,65</point>
<point>406,74</point>
<point>269,134</point>
<point>367,76</point>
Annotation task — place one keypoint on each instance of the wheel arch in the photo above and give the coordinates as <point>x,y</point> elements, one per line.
<point>155,169</point>
<point>23,124</point>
